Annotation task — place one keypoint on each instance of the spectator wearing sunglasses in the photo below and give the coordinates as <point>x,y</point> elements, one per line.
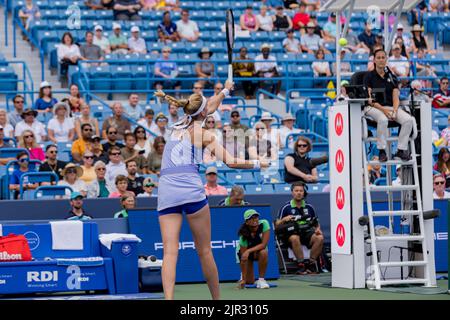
<point>439,191</point>
<point>99,187</point>
<point>88,168</point>
<point>83,144</point>
<point>97,150</point>
<point>30,122</point>
<point>115,167</point>
<point>76,212</point>
<point>442,97</point>
<point>297,165</point>
<point>28,141</point>
<point>14,183</point>
<point>148,187</point>
<point>71,177</point>
<point>161,129</point>
<point>15,116</point>
<point>236,121</point>
<point>142,141</point>
<point>52,164</point>
<point>111,140</point>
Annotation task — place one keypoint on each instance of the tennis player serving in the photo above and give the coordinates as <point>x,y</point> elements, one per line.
<point>181,189</point>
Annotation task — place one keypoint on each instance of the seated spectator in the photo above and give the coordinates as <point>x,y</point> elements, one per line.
<point>271,134</point>
<point>68,53</point>
<point>8,130</point>
<point>238,128</point>
<point>205,69</point>
<point>398,63</point>
<point>438,6</point>
<point>60,127</point>
<point>265,20</point>
<point>173,115</point>
<point>148,187</point>
<point>147,122</point>
<point>419,41</point>
<point>297,165</point>
<point>127,10</point>
<point>118,121</point>
<point>281,21</point>
<point>317,28</point>
<point>212,188</point>
<point>425,69</point>
<point>187,28</point>
<point>266,67</point>
<point>407,42</point>
<point>86,117</point>
<point>143,144</point>
<point>91,51</point>
<point>28,141</point>
<point>154,159</point>
<point>94,4</point>
<point>287,128</point>
<point>233,143</point>
<point>97,150</point>
<point>254,235</point>
<point>320,67</point>
<point>127,202</point>
<point>291,44</point>
<point>71,177</point>
<point>29,13</point>
<point>167,70</point>
<point>236,198</point>
<point>77,212</point>
<point>89,174</point>
<point>136,44</point>
<point>443,165</point>
<point>75,100</point>
<point>171,5</point>
<point>52,164</point>
<point>306,229</point>
<point>130,153</point>
<point>343,94</point>
<point>135,181</point>
<point>121,183</point>
<point>261,148</point>
<point>167,30</point>
<point>345,67</point>
<point>111,140</point>
<point>15,116</point>
<point>14,179</point>
<point>441,99</point>
<point>398,179</point>
<point>354,45</point>
<point>4,144</point>
<point>248,21</point>
<point>45,102</point>
<point>291,4</point>
<point>329,29</point>
<point>418,94</point>
<point>83,143</point>
<point>117,41</point>
<point>272,4</point>
<point>149,5</point>
<point>99,188</point>
<point>375,171</point>
<point>439,191</point>
<point>101,41</point>
<point>243,67</point>
<point>133,109</point>
<point>301,19</point>
<point>115,167</point>
<point>210,125</point>
<point>367,36</point>
<point>30,122</point>
<point>311,42</point>
<point>161,129</point>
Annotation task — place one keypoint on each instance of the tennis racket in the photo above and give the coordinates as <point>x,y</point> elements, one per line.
<point>229,27</point>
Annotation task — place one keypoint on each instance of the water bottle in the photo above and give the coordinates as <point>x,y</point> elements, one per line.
<point>404,225</point>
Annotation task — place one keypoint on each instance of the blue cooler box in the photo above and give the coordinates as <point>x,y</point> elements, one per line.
<point>125,256</point>
<point>150,276</point>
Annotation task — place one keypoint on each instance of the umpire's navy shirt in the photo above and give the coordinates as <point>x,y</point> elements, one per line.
<point>290,208</point>
<point>382,87</point>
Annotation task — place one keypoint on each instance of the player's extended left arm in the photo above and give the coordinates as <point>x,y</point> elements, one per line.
<point>215,101</point>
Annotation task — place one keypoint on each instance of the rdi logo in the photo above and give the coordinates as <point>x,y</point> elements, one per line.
<point>340,198</point>
<point>42,276</point>
<point>339,124</point>
<point>339,161</point>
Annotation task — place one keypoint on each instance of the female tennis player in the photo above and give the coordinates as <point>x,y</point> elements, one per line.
<point>181,189</point>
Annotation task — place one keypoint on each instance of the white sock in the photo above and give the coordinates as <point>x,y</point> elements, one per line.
<point>261,279</point>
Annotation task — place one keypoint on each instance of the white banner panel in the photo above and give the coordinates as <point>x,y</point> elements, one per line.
<point>340,197</point>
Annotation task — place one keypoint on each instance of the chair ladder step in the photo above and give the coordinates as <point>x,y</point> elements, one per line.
<point>395,213</point>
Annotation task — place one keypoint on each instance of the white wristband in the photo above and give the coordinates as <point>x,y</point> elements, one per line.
<point>256,164</point>
<point>225,92</point>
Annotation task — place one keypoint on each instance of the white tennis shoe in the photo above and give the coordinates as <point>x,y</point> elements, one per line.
<point>262,284</point>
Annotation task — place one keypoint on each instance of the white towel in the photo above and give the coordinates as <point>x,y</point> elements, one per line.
<point>107,238</point>
<point>67,235</point>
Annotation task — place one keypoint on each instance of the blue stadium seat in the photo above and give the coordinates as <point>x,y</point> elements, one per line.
<point>324,176</point>
<point>122,73</point>
<point>282,188</point>
<point>140,74</point>
<point>259,189</point>
<point>100,78</point>
<point>317,187</point>
<point>8,79</point>
<point>244,177</point>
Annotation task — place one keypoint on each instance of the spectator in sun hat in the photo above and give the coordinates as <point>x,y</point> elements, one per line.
<point>205,68</point>
<point>30,122</point>
<point>101,40</point>
<point>136,44</point>
<point>71,177</point>
<point>311,42</point>
<point>148,187</point>
<point>117,41</point>
<point>211,186</point>
<point>287,128</point>
<point>161,128</point>
<point>266,67</point>
<point>77,212</point>
<point>419,41</point>
<point>45,102</point>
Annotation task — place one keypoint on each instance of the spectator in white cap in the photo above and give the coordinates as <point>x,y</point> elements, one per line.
<point>127,10</point>
<point>266,67</point>
<point>45,102</point>
<point>287,128</point>
<point>310,41</point>
<point>89,50</point>
<point>100,40</point>
<point>271,134</point>
<point>136,44</point>
<point>212,188</point>
<point>117,41</point>
<point>406,38</point>
<point>187,29</point>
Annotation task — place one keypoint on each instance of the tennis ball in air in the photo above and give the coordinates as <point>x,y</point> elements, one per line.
<point>342,42</point>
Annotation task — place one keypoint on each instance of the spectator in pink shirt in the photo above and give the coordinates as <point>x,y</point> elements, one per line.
<point>211,186</point>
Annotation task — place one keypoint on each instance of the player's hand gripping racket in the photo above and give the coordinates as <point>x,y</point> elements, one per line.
<point>229,26</point>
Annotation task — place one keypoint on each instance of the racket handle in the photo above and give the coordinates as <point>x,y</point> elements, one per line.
<point>230,73</point>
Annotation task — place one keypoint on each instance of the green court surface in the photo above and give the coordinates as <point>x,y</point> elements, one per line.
<point>294,288</point>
